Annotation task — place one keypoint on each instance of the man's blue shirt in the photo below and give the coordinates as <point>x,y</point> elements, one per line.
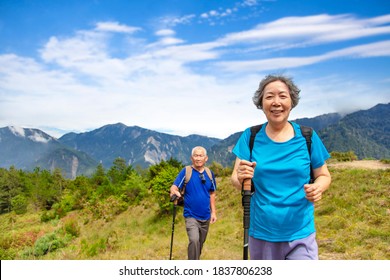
<point>197,194</point>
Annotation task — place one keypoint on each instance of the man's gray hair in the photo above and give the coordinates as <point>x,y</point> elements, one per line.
<point>198,148</point>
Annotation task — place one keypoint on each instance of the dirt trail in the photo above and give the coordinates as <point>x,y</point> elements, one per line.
<point>363,164</point>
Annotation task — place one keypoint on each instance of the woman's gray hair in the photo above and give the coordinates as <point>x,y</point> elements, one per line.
<point>293,90</point>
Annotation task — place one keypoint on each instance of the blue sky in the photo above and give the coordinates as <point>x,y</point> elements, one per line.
<point>185,67</point>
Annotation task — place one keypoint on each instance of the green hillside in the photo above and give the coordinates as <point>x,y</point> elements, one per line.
<point>352,223</point>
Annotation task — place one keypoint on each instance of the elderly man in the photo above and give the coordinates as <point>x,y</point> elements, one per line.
<point>198,190</point>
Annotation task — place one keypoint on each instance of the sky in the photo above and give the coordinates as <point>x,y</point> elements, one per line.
<point>185,66</point>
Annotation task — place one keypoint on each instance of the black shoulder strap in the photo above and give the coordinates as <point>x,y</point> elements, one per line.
<point>307,132</point>
<point>254,130</point>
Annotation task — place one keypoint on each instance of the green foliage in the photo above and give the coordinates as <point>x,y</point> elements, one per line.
<point>10,187</point>
<point>344,156</point>
<point>133,190</point>
<point>385,160</point>
<point>45,188</point>
<point>71,227</point>
<point>92,249</point>
<point>162,176</point>
<point>154,170</point>
<point>99,244</point>
<point>107,208</point>
<point>119,171</point>
<point>99,178</point>
<point>48,243</point>
<point>47,216</point>
<point>7,254</point>
<point>68,202</point>
<point>19,204</point>
<point>219,170</point>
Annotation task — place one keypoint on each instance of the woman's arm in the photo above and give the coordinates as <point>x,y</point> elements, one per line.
<point>321,184</point>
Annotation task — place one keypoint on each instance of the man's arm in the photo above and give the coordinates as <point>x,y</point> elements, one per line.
<point>213,218</point>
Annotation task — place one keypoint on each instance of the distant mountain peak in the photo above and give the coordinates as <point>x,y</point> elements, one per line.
<point>17,131</point>
<point>34,135</point>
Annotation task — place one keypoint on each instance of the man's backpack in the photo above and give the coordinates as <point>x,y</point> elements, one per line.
<point>187,178</point>
<point>307,132</point>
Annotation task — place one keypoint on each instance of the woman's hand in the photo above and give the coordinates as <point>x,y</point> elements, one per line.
<point>243,170</point>
<point>313,192</point>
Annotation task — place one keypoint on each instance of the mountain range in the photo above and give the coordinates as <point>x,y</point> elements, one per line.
<point>366,132</point>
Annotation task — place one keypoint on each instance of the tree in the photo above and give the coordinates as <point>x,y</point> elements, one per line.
<point>119,171</point>
<point>10,187</point>
<point>161,177</point>
<point>99,177</point>
<point>45,188</point>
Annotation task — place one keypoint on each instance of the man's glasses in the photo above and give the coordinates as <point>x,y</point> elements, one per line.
<point>202,178</point>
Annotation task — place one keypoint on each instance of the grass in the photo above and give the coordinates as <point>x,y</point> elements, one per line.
<point>352,220</point>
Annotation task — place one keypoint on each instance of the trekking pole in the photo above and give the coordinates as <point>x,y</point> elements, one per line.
<point>246,203</point>
<point>173,199</point>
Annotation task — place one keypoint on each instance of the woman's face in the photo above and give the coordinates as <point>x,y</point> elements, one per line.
<point>277,102</point>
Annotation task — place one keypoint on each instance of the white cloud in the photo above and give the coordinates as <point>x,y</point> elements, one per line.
<point>172,21</point>
<point>113,26</point>
<point>165,32</point>
<point>369,50</point>
<point>311,30</point>
<point>171,85</point>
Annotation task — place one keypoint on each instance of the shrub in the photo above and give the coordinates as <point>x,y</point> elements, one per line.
<point>48,216</point>
<point>47,243</point>
<point>94,248</point>
<point>107,208</point>
<point>344,156</point>
<point>71,227</point>
<point>133,189</point>
<point>161,184</point>
<point>385,160</point>
<point>19,204</point>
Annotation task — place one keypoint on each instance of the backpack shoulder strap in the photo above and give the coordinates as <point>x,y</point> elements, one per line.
<point>208,171</point>
<point>307,132</point>
<point>186,178</point>
<point>188,174</point>
<point>254,130</point>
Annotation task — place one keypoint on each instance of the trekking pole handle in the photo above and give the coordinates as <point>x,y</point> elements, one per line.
<point>173,198</point>
<point>247,185</point>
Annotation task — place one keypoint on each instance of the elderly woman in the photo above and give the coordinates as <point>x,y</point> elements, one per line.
<point>282,206</point>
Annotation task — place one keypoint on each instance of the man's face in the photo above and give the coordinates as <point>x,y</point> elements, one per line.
<point>199,158</point>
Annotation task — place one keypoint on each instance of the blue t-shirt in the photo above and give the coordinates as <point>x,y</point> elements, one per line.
<point>279,209</point>
<point>197,194</point>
